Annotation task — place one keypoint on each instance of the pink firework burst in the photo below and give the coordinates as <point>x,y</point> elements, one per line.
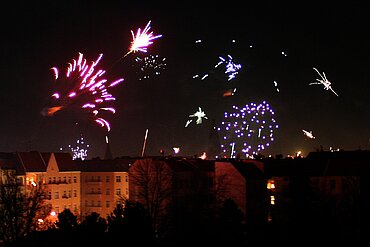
<point>142,39</point>
<point>84,86</point>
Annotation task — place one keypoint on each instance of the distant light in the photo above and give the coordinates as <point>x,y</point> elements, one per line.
<point>203,156</point>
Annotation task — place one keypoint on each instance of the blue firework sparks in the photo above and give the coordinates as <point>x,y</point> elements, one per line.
<point>247,130</point>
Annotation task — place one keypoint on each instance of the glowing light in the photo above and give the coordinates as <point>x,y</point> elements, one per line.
<point>323,81</point>
<point>232,69</point>
<point>199,115</point>
<point>151,65</point>
<point>84,87</point>
<point>80,149</point>
<point>247,130</point>
<point>308,134</point>
<point>203,156</point>
<point>142,39</point>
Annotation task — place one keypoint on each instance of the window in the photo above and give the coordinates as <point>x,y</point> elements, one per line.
<point>69,180</point>
<point>74,193</point>
<point>126,178</point>
<point>69,194</point>
<point>49,180</point>
<point>107,192</point>
<point>118,179</point>
<point>118,192</point>
<point>107,179</point>
<point>56,195</point>
<point>107,204</point>
<point>74,179</point>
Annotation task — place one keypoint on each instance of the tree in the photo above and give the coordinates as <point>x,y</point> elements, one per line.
<point>21,205</point>
<point>150,185</point>
<point>130,222</point>
<point>94,224</point>
<point>67,220</point>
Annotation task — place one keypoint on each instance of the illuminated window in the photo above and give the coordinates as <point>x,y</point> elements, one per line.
<point>118,179</point>
<point>118,191</point>
<point>272,200</point>
<point>270,184</point>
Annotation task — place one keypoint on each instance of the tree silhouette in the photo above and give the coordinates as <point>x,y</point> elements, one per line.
<point>21,205</point>
<point>67,220</point>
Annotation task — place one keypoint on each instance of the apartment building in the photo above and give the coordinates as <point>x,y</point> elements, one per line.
<point>104,184</point>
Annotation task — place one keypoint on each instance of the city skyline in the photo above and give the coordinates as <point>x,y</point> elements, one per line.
<point>282,49</point>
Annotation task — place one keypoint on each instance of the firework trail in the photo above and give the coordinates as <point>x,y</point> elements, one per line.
<point>249,129</point>
<point>83,86</point>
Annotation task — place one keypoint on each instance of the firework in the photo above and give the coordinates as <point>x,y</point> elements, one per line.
<point>142,39</point>
<point>249,129</point>
<point>232,69</point>
<point>323,81</point>
<point>308,134</point>
<point>150,65</point>
<point>199,115</point>
<point>84,87</point>
<point>79,150</point>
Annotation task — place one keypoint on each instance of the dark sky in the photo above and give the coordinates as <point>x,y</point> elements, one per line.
<point>332,38</point>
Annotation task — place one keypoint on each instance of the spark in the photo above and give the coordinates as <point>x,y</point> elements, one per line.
<point>249,129</point>
<point>150,65</point>
<point>308,134</point>
<point>324,81</point>
<point>230,92</point>
<point>80,149</point>
<point>276,86</point>
<point>232,69</point>
<point>199,115</point>
<point>84,87</point>
<point>142,39</point>
<point>188,122</point>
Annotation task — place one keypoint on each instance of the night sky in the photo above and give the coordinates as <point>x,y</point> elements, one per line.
<point>332,38</point>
